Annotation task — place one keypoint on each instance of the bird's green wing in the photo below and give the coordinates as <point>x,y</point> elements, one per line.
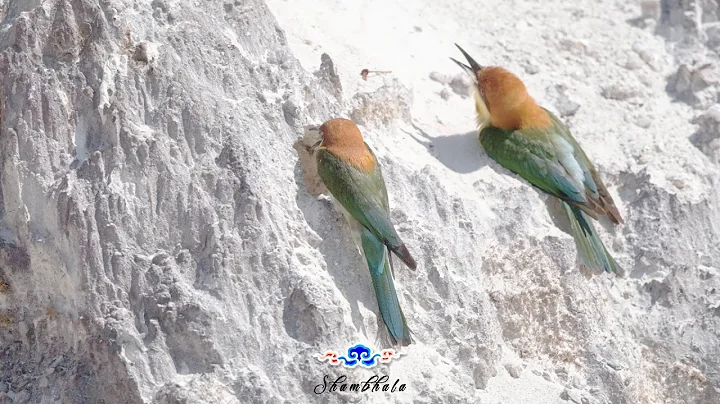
<point>365,197</point>
<point>596,193</point>
<point>560,131</point>
<point>533,156</point>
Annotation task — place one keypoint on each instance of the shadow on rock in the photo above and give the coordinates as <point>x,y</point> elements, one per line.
<point>461,153</point>
<point>707,137</point>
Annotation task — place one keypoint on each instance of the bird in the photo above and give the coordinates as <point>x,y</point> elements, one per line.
<point>351,173</point>
<point>530,141</point>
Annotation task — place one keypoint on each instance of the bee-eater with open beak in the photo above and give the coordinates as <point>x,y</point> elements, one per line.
<point>350,171</point>
<point>530,141</point>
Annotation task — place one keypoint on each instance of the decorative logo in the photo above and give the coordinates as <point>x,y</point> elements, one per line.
<point>359,355</point>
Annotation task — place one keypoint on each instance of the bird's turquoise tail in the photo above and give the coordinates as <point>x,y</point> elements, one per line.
<point>378,260</point>
<point>591,250</point>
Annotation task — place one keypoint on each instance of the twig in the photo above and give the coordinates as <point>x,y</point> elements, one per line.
<point>364,73</point>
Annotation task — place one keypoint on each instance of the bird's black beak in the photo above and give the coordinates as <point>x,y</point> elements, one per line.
<point>474,66</point>
<point>313,135</point>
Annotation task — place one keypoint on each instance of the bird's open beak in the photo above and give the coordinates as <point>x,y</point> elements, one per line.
<point>313,136</point>
<point>474,66</point>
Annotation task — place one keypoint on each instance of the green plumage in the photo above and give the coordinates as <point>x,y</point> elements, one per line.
<point>553,161</point>
<point>378,259</point>
<point>365,198</point>
<point>592,252</point>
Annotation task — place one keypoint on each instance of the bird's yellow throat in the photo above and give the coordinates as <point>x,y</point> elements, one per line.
<point>483,115</point>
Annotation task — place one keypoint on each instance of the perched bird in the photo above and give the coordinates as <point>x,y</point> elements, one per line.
<point>530,141</point>
<point>350,171</point>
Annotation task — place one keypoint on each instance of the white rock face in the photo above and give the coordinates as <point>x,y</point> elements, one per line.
<point>162,240</point>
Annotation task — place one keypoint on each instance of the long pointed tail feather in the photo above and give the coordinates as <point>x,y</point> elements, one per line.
<point>403,253</point>
<point>378,260</point>
<point>591,250</point>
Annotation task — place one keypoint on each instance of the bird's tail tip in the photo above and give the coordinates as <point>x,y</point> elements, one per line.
<point>608,264</point>
<point>591,250</point>
<point>402,340</point>
<point>404,254</point>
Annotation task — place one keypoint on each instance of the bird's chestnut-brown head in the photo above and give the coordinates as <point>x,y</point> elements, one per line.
<point>501,98</point>
<point>341,132</point>
<point>342,138</point>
